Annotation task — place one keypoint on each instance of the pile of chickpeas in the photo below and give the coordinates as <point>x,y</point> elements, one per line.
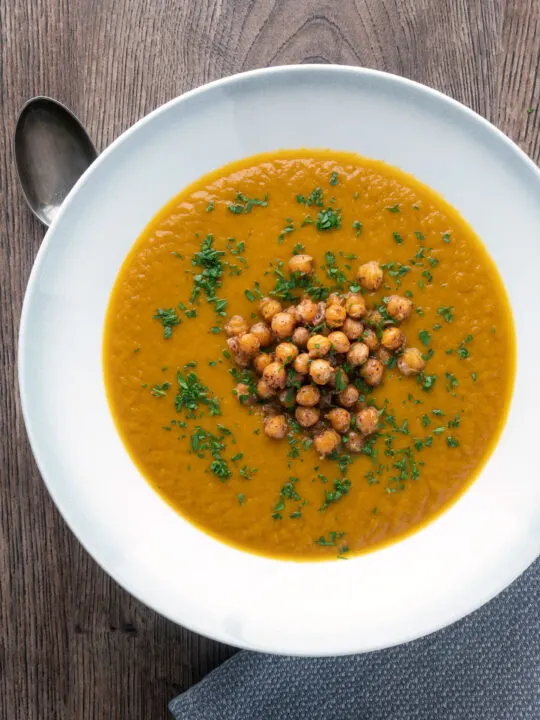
<point>306,357</point>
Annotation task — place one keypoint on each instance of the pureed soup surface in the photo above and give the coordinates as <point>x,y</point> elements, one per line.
<point>170,376</point>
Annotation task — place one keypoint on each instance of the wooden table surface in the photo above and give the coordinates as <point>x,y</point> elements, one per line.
<point>73,644</point>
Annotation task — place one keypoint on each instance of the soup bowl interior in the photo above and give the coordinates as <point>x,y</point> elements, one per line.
<point>401,592</point>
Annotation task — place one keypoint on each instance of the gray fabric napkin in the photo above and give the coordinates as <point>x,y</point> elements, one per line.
<point>485,667</point>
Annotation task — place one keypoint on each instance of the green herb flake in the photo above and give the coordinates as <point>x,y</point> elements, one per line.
<point>211,205</point>
<point>328,219</point>
<point>334,178</point>
<point>160,390</point>
<point>393,208</point>
<point>446,312</point>
<point>245,205</point>
<point>169,319</point>
<point>424,337</point>
<point>357,227</point>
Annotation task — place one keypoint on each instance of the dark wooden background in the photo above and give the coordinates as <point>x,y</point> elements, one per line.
<point>73,645</point>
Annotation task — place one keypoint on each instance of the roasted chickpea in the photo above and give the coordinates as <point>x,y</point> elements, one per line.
<point>392,338</point>
<point>269,307</point>
<point>264,391</point>
<point>372,371</point>
<point>308,396</point>
<point>249,344</point>
<point>352,328</point>
<point>334,299</point>
<point>275,375</point>
<point>286,398</point>
<point>318,346</point>
<point>367,420</point>
<point>319,317</point>
<point>398,307</point>
<point>340,342</point>
<point>286,352</point>
<point>369,337</point>
<point>261,361</point>
<point>307,416</point>
<point>358,354</point>
<point>355,305</point>
<point>236,326</point>
<point>335,315</point>
<point>355,442</point>
<point>283,324</point>
<point>291,310</point>
<point>262,332</point>
<point>276,426</point>
<point>326,442</point>
<point>243,394</point>
<point>374,319</point>
<point>383,355</point>
<point>240,358</point>
<point>349,396</point>
<point>306,311</point>
<point>370,275</point>
<point>411,361</point>
<point>301,363</point>
<point>301,264</point>
<point>300,337</point>
<point>340,419</point>
<point>321,371</point>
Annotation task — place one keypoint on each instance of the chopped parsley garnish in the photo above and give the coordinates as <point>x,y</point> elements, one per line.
<point>357,226</point>
<point>451,441</point>
<point>211,205</point>
<point>201,442</point>
<point>451,382</point>
<point>393,208</point>
<point>209,279</point>
<point>314,198</point>
<point>192,393</point>
<point>334,178</point>
<point>169,319</point>
<point>289,228</point>
<point>446,312</point>
<point>332,538</point>
<point>287,492</point>
<point>397,238</point>
<point>396,270</point>
<point>341,488</point>
<point>446,237</point>
<point>424,337</point>
<point>245,204</point>
<point>328,219</point>
<point>160,390</point>
<point>426,382</point>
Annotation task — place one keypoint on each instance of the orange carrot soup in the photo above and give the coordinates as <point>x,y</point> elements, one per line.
<point>309,354</point>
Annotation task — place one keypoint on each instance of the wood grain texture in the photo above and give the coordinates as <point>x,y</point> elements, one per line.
<point>73,645</point>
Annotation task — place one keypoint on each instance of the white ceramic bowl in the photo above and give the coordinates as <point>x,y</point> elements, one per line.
<point>387,597</point>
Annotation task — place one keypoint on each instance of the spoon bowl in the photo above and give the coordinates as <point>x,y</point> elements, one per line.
<point>52,151</point>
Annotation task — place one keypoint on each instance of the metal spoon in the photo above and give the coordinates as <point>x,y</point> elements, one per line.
<point>52,151</point>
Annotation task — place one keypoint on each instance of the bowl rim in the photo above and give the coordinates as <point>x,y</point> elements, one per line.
<point>237,78</point>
